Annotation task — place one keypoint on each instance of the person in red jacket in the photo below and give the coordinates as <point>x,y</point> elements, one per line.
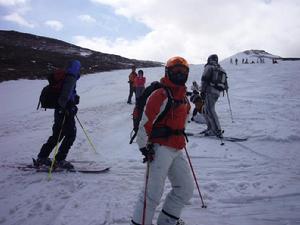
<point>139,84</point>
<point>161,144</point>
<point>131,78</point>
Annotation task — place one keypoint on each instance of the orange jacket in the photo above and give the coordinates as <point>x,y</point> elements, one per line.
<point>131,77</point>
<point>139,81</point>
<point>175,118</point>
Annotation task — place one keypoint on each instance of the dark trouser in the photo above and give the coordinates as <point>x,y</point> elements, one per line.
<point>138,92</point>
<point>131,91</point>
<point>68,135</point>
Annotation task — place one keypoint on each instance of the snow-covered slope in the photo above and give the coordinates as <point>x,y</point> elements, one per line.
<point>254,182</point>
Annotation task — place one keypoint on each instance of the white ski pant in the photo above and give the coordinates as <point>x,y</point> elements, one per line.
<point>171,163</point>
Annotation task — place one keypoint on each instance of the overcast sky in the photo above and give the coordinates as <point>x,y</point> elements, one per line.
<point>159,29</point>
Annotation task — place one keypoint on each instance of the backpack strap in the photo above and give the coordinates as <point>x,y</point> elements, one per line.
<point>168,105</point>
<point>143,103</point>
<point>164,132</point>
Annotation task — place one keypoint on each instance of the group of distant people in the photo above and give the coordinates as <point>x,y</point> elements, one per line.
<point>136,83</point>
<point>258,60</point>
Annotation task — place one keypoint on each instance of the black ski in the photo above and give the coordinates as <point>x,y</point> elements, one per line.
<point>82,169</point>
<point>225,138</point>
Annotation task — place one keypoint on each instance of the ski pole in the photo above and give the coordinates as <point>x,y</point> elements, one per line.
<point>229,105</point>
<point>56,147</point>
<point>145,193</point>
<point>189,159</point>
<point>89,140</point>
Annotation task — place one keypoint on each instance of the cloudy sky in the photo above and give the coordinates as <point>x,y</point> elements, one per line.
<point>159,29</point>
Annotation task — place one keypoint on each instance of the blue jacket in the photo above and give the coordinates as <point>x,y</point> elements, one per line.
<point>68,92</point>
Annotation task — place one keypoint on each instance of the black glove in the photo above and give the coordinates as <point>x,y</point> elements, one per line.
<point>63,111</point>
<point>195,92</point>
<point>74,110</point>
<point>148,152</point>
<point>76,99</point>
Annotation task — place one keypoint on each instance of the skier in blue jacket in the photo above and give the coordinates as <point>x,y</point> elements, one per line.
<point>64,121</point>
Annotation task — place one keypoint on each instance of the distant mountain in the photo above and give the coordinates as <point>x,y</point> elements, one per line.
<point>255,56</point>
<point>30,56</point>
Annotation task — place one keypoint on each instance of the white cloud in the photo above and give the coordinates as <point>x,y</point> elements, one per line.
<point>12,2</point>
<point>197,28</point>
<point>54,24</point>
<point>17,18</point>
<point>87,18</point>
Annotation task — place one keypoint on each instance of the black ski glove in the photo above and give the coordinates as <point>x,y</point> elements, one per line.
<point>76,99</point>
<point>189,93</point>
<point>195,92</point>
<point>63,111</point>
<point>74,110</point>
<point>148,153</point>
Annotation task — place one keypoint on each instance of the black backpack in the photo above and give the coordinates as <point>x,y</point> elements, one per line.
<point>50,93</point>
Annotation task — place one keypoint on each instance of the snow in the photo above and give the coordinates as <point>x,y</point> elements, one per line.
<point>85,53</point>
<point>252,182</point>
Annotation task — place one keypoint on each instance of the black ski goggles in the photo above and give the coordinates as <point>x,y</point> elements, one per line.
<point>178,74</point>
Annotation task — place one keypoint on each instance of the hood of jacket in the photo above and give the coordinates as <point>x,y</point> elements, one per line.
<point>74,68</point>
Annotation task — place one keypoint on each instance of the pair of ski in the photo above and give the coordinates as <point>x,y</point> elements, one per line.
<point>225,138</point>
<point>79,167</point>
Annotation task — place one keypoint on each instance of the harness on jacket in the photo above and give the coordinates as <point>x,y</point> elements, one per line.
<point>157,132</point>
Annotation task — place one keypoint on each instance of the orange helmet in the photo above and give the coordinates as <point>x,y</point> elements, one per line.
<point>177,61</point>
<point>177,70</point>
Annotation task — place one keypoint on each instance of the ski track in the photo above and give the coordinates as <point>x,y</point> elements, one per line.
<point>254,182</point>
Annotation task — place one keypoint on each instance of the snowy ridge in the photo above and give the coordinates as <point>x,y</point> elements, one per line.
<point>252,55</point>
<point>254,182</point>
<point>34,57</point>
<point>260,53</point>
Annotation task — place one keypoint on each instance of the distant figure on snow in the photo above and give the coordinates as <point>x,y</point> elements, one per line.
<point>131,78</point>
<point>197,100</point>
<point>213,82</point>
<point>236,61</point>
<point>139,84</point>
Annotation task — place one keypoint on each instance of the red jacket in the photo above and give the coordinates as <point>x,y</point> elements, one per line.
<point>139,81</point>
<point>175,118</point>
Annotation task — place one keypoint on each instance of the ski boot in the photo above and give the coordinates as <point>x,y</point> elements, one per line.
<point>180,222</point>
<point>42,162</point>
<point>64,164</point>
